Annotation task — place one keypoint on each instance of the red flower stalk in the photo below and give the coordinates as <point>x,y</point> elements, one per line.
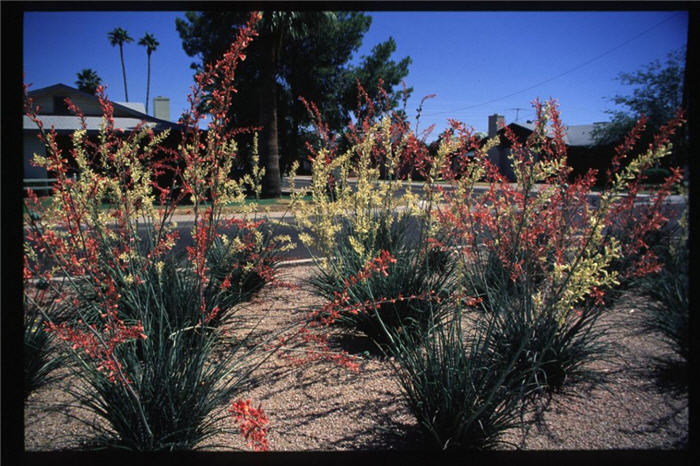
<point>100,346</point>
<point>253,424</point>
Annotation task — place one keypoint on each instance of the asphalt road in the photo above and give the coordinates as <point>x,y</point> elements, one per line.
<point>284,223</point>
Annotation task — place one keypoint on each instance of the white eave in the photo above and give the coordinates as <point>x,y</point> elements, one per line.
<point>69,123</point>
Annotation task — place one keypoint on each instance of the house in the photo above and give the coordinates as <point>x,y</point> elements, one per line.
<point>582,151</point>
<point>54,112</point>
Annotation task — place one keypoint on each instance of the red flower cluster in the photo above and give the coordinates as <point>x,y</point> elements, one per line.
<point>316,343</point>
<point>317,348</point>
<point>100,345</point>
<point>252,422</point>
<point>530,232</point>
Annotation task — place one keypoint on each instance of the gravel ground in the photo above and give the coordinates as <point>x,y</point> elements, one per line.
<point>320,406</point>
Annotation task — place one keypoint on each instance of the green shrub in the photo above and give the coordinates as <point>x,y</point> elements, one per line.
<point>419,270</point>
<point>177,388</point>
<point>456,386</point>
<point>247,266</point>
<point>558,352</point>
<point>39,355</point>
<point>668,306</point>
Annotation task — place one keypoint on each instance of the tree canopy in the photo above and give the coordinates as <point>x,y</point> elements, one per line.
<point>657,94</point>
<point>88,80</point>
<point>312,61</point>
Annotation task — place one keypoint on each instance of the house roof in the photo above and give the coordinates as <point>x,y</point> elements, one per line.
<point>574,135</point>
<point>69,123</point>
<point>138,106</point>
<point>126,114</point>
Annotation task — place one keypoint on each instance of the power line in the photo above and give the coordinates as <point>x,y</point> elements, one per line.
<point>560,74</point>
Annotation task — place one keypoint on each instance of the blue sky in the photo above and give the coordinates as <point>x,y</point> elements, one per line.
<point>476,62</point>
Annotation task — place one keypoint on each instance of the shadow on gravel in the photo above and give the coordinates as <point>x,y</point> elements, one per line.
<point>669,375</point>
<point>358,345</point>
<point>395,436</point>
<point>670,423</point>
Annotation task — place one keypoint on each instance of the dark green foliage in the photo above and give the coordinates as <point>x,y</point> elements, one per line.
<point>668,307</point>
<point>657,93</point>
<point>557,348</point>
<point>456,384</point>
<point>313,64</point>
<point>175,390</point>
<point>374,67</point>
<point>88,80</point>
<point>418,271</point>
<point>39,355</point>
<point>177,387</point>
<point>555,352</point>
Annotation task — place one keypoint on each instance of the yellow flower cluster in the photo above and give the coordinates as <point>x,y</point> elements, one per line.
<point>349,189</point>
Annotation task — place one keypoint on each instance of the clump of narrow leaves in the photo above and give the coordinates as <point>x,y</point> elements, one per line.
<point>413,295</point>
<point>668,307</point>
<point>461,390</point>
<point>167,390</point>
<point>540,252</point>
<point>39,354</point>
<point>143,330</point>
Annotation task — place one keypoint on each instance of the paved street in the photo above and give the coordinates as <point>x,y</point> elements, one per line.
<point>284,222</point>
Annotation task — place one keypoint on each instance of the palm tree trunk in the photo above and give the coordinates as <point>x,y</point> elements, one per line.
<point>121,54</point>
<point>271,183</point>
<point>148,82</point>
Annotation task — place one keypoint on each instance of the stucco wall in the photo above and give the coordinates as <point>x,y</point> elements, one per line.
<point>85,104</point>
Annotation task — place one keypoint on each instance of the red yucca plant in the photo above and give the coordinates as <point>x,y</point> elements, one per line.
<point>356,220</point>
<point>146,320</point>
<point>537,257</point>
<point>542,252</point>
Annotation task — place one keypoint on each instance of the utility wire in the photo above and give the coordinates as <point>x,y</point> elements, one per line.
<point>560,74</point>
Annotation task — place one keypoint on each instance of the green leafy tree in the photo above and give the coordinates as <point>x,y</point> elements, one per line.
<point>275,29</point>
<point>657,93</point>
<point>151,44</point>
<point>311,54</point>
<point>375,67</point>
<point>88,80</point>
<point>119,37</point>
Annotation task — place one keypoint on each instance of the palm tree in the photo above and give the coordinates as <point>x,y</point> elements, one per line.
<point>151,44</point>
<point>118,37</point>
<point>88,80</point>
<point>274,28</point>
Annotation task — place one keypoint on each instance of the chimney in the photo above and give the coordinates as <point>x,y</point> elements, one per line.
<point>161,108</point>
<point>495,122</point>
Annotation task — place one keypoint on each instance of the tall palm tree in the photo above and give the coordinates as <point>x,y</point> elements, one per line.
<point>275,27</point>
<point>88,80</point>
<point>151,44</point>
<point>118,37</point>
